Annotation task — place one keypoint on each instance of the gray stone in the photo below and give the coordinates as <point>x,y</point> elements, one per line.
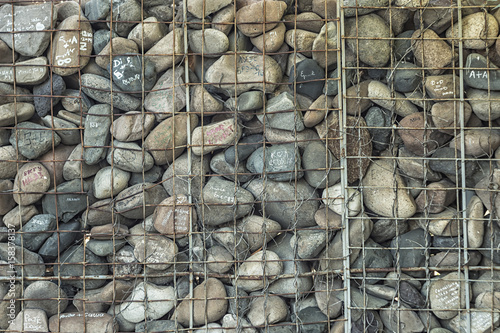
<point>220,166</point>
<point>219,199</point>
<point>32,24</point>
<point>447,295</point>
<point>405,77</point>
<point>158,326</point>
<point>481,73</point>
<point>97,10</point>
<point>443,161</point>
<point>70,200</point>
<point>402,46</point>
<point>247,101</point>
<point>103,248</point>
<point>131,201</point>
<point>33,140</point>
<point>401,319</point>
<point>373,256</point>
<point>125,13</point>
<point>60,240</point>
<point>129,156</point>
<point>96,134</point>
<point>73,257</point>
<point>239,302</point>
<point>102,37</point>
<point>278,162</point>
<point>379,122</point>
<point>36,231</point>
<point>209,42</point>
<point>99,88</point>
<point>315,157</point>
<point>44,102</point>
<point>411,252</point>
<point>310,242</point>
<point>151,176</point>
<point>282,200</point>
<point>168,95</point>
<point>409,295</point>
<point>26,262</point>
<point>246,146</point>
<point>275,117</point>
<point>369,323</point>
<point>47,296</point>
<point>68,132</point>
<point>312,320</point>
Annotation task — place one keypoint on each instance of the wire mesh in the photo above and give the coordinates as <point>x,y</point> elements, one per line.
<point>249,166</point>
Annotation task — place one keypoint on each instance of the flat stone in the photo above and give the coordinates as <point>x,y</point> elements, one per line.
<point>400,319</point>
<point>219,198</point>
<point>446,115</point>
<point>96,134</point>
<point>210,43</point>
<point>98,88</point>
<point>39,293</point>
<point>382,95</point>
<point>239,173</point>
<point>307,79</point>
<point>209,138</point>
<point>29,72</point>
<point>33,140</point>
<point>31,181</point>
<point>148,33</point>
<point>252,268</point>
<point>70,200</point>
<point>447,293</point>
<point>103,248</point>
<point>126,71</point>
<point>129,156</point>
<point>411,247</point>
<point>131,201</point>
<point>32,24</point>
<point>60,240</point>
<point>477,142</point>
<point>173,217</point>
<point>172,43</point>
<point>75,166</point>
<point>36,231</point>
<point>277,162</point>
<point>12,112</point>
<point>78,321</point>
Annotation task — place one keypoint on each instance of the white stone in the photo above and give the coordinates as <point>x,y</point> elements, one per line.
<point>160,300</point>
<point>333,197</point>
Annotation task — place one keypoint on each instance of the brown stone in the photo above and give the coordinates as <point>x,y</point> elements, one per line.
<point>215,136</point>
<point>301,40</point>
<point>436,197</point>
<point>168,140</point>
<point>139,201</point>
<point>416,135</point>
<point>479,31</point>
<point>119,45</point>
<point>317,111</point>
<point>209,304</point>
<point>132,126</point>
<point>148,33</point>
<point>223,20</point>
<point>446,116</point>
<point>72,45</point>
<point>95,322</point>
<point>327,218</point>
<point>478,142</point>
<point>203,102</point>
<point>271,40</point>
<point>31,183</point>
<point>249,19</point>
<point>357,100</point>
<point>306,21</point>
<point>15,112</point>
<point>358,144</point>
<point>325,8</point>
<point>168,51</point>
<point>431,51</point>
<point>109,231</point>
<point>173,215</point>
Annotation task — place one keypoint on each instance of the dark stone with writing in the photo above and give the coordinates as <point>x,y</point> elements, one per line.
<point>379,124</point>
<point>33,140</point>
<point>246,146</point>
<point>481,73</point>
<point>36,231</point>
<point>67,234</point>
<point>97,10</point>
<point>32,25</point>
<point>278,162</point>
<point>104,248</point>
<point>312,320</point>
<point>375,256</point>
<point>96,135</point>
<point>99,88</point>
<point>44,103</point>
<point>72,259</point>
<point>126,71</point>
<point>411,246</point>
<point>402,46</point>
<point>102,38</point>
<point>411,296</point>
<point>158,326</point>
<point>443,160</point>
<point>71,199</point>
<point>405,77</point>
<point>310,78</point>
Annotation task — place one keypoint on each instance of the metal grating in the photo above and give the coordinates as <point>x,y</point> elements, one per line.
<point>362,199</point>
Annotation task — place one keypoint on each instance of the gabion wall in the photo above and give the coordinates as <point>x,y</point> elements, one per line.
<point>249,166</point>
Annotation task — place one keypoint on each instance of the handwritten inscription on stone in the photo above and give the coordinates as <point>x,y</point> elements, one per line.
<point>478,75</point>
<point>218,134</point>
<point>31,175</point>
<point>439,86</point>
<point>449,294</point>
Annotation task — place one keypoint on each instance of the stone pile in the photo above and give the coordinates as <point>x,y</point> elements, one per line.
<point>147,148</point>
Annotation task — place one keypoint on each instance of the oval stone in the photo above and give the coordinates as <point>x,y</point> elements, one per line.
<point>31,182</point>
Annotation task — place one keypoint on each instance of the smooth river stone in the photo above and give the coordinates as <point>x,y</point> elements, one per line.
<point>475,223</point>
<point>380,94</point>
<point>249,71</point>
<point>15,112</point>
<point>219,200</point>
<point>99,88</point>
<point>36,231</point>
<point>96,134</point>
<point>156,251</point>
<point>168,51</point>
<point>131,201</point>
<point>109,182</point>
<point>72,45</point>
<point>29,72</point>
<point>7,202</point>
<point>168,139</point>
<point>379,195</point>
<point>479,31</point>
<point>209,138</point>
<point>32,24</point>
<point>333,198</point>
<point>485,104</point>
<point>132,126</point>
<point>431,51</point>
<point>447,294</point>
<point>127,73</point>
<point>148,301</point>
<point>33,140</point>
<point>211,43</point>
<point>70,200</point>
<point>251,18</point>
<point>201,8</point>
<point>277,162</point>
<point>481,73</point>
<point>75,166</point>
<point>173,217</point>
<point>30,183</point>
<point>281,200</point>
<point>168,95</point>
<point>253,267</point>
<point>129,156</point>
<point>148,33</point>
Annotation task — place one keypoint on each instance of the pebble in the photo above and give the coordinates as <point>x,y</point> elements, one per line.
<point>147,34</point>
<point>33,320</point>
<point>36,231</point>
<point>281,113</point>
<point>126,71</point>
<point>428,47</point>
<point>333,198</point>
<point>251,17</point>
<point>447,293</point>
<point>172,43</point>
<point>130,202</point>
<point>215,136</point>
<point>277,162</point>
<point>253,267</point>
<point>129,156</point>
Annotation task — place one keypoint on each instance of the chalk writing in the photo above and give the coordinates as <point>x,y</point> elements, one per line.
<point>478,74</point>
<point>219,133</point>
